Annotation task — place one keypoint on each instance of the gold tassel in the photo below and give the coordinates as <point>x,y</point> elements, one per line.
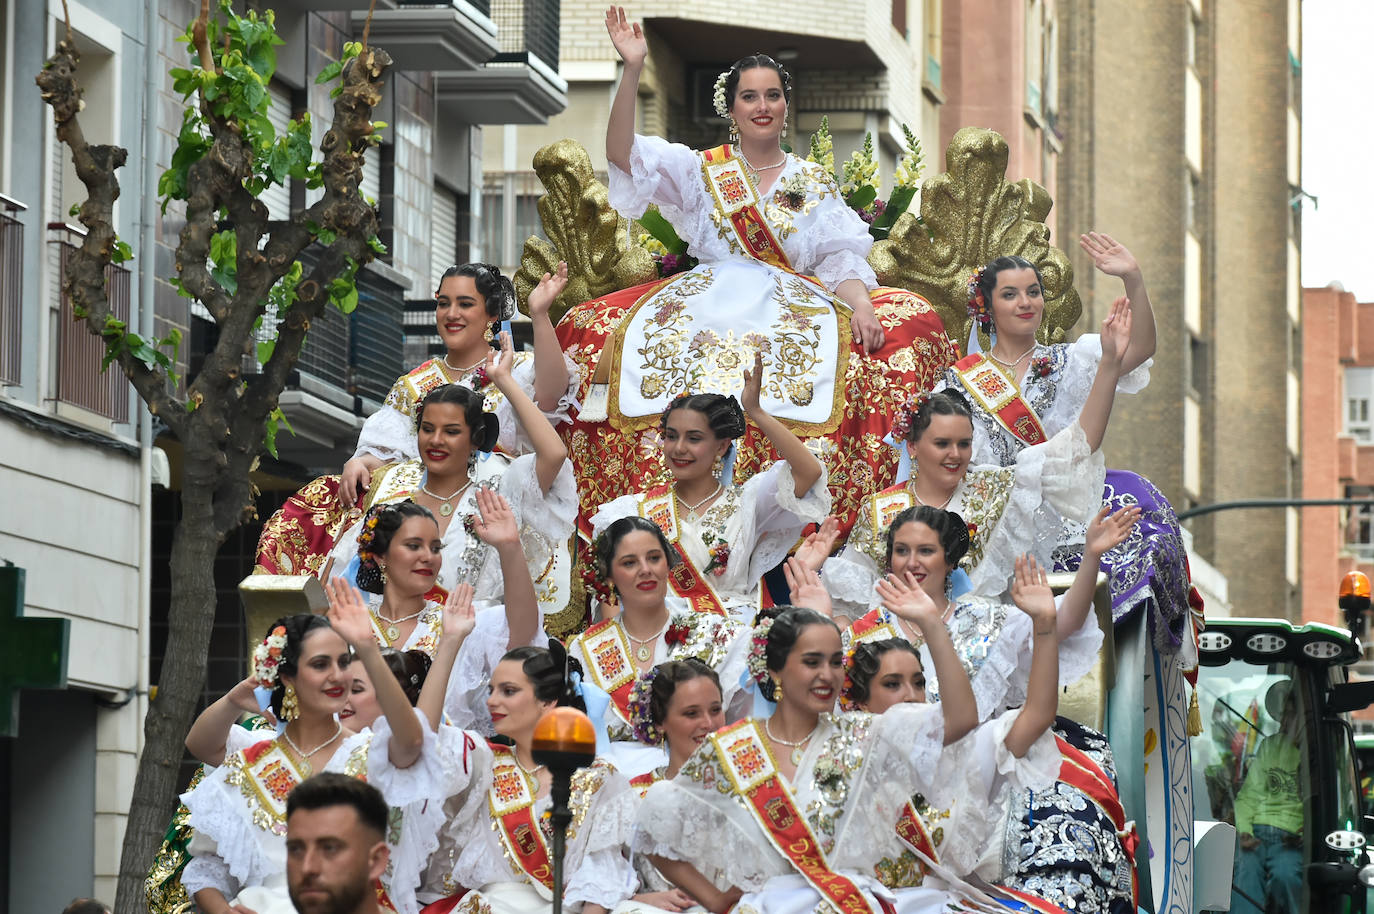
<point>1194,716</point>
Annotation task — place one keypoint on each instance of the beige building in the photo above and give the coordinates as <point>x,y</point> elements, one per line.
<point>870,65</point>
<point>1190,155</point>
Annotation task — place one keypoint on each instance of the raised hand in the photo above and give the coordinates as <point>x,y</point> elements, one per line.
<point>1030,590</point>
<point>818,546</point>
<point>1116,331</point>
<point>904,598</point>
<point>549,288</point>
<point>498,364</point>
<point>628,37</point>
<point>242,697</point>
<point>806,587</point>
<point>753,386</point>
<point>348,613</point>
<point>459,616</point>
<point>494,522</point>
<point>1109,255</point>
<point>1106,533</point>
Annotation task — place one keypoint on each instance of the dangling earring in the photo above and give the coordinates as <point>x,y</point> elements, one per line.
<point>949,584</point>
<point>472,462</point>
<point>717,466</point>
<point>290,708</point>
<point>784,125</point>
<point>734,132</point>
<point>489,334</point>
<point>614,595</point>
<point>382,569</point>
<point>777,691</point>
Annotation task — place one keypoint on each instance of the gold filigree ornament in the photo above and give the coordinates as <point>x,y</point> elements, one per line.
<point>970,215</point>
<point>586,232</point>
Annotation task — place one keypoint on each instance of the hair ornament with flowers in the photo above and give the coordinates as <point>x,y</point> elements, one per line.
<point>906,415</point>
<point>847,690</point>
<point>267,657</point>
<point>718,100</point>
<point>978,307</point>
<point>369,532</point>
<point>594,577</point>
<point>758,651</point>
<point>640,708</point>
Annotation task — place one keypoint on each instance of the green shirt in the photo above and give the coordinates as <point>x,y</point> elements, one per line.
<point>1270,794</point>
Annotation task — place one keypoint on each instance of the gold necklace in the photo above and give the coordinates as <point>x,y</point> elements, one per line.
<point>940,507</point>
<point>798,747</point>
<point>391,630</point>
<point>529,773</point>
<point>644,653</point>
<point>446,508</point>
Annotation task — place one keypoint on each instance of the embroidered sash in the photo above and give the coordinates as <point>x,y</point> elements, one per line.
<point>996,393</point>
<point>872,626</point>
<point>660,506</point>
<point>610,667</point>
<point>1079,770</point>
<point>1038,905</point>
<point>265,773</point>
<point>737,199</point>
<point>911,828</point>
<point>642,782</point>
<point>512,808</point>
<point>748,762</point>
<point>886,505</point>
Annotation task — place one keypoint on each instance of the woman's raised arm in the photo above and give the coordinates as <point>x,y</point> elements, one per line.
<point>628,38</point>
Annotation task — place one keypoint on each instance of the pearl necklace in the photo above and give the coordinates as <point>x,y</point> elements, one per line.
<point>692,509</point>
<point>756,171</point>
<point>643,653</point>
<point>446,508</point>
<point>392,631</point>
<point>471,368</point>
<point>797,750</point>
<point>305,756</point>
<point>941,506</point>
<point>529,773</point>
<point>1014,362</point>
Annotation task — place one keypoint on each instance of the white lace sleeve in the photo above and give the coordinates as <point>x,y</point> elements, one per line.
<point>546,518</point>
<point>1055,481</point>
<point>660,173</point>
<point>982,771</point>
<point>240,738</point>
<point>685,822</point>
<point>778,515</point>
<point>388,434</point>
<point>465,699</point>
<point>524,374</point>
<point>1076,380</point>
<point>604,875</point>
<point>850,578</point>
<point>208,871</point>
<point>513,439</point>
<point>835,248</point>
<point>222,828</point>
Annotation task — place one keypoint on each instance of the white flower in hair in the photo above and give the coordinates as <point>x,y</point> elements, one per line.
<point>718,97</point>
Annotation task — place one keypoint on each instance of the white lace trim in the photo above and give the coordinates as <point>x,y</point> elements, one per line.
<point>1055,481</point>
<point>389,435</point>
<point>1076,381</point>
<point>208,871</point>
<point>850,578</point>
<point>220,816</point>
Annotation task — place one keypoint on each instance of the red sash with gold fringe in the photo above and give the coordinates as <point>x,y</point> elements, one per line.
<point>912,830</point>
<point>748,762</point>
<point>737,198</point>
<point>660,506</point>
<point>996,393</point>
<point>512,808</point>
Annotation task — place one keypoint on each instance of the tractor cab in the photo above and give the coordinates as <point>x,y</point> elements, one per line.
<point>1277,760</point>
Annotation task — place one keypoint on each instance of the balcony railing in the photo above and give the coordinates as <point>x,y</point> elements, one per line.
<point>80,381</point>
<point>11,290</point>
<point>527,28</point>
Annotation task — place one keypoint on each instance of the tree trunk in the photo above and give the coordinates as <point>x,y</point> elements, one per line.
<point>194,546</point>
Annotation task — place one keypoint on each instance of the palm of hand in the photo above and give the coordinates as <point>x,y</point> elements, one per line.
<point>1115,261</point>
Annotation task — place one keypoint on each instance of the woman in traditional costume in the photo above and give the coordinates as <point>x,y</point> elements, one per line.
<point>238,811</point>
<point>453,430</point>
<point>1024,392</point>
<point>635,561</point>
<point>794,807</point>
<point>493,853</point>
<point>472,301</point>
<point>782,272</point>
<point>725,537</point>
<point>1009,510</point>
<point>1094,873</point>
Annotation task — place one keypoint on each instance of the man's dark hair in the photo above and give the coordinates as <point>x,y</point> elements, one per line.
<point>86,906</point>
<point>332,789</point>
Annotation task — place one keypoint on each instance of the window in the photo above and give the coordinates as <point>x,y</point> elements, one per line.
<point>1359,523</point>
<point>1196,366</point>
<point>899,17</point>
<point>1051,71</point>
<point>1359,390</point>
<point>1192,203</point>
<point>1190,41</point>
<point>510,215</point>
<point>1035,43</point>
<point>934,33</point>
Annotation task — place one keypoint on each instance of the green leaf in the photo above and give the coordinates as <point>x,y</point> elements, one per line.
<point>121,252</point>
<point>330,73</point>
<point>662,231</point>
<point>897,204</point>
<point>862,197</point>
<point>376,245</point>
<point>269,439</point>
<point>265,350</point>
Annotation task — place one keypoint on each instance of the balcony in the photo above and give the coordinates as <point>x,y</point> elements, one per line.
<point>456,35</point>
<point>80,381</point>
<point>520,85</point>
<point>11,290</point>
<point>345,370</point>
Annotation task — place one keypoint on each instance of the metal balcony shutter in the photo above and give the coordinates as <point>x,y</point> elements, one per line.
<point>277,197</point>
<point>371,185</point>
<point>443,234</point>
